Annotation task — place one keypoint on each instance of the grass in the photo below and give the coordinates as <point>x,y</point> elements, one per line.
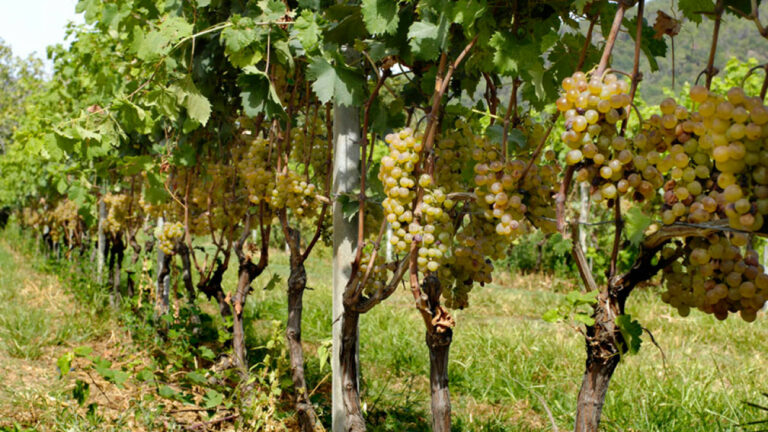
<point>509,369</point>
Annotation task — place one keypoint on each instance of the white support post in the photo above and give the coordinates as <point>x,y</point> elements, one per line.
<point>346,178</point>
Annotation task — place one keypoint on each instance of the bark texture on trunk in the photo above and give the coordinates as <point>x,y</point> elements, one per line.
<point>439,335</point>
<point>163,283</point>
<point>297,283</point>
<point>116,255</point>
<point>186,272</point>
<point>604,345</point>
<point>439,345</point>
<point>130,282</point>
<point>349,371</point>
<point>212,288</point>
<point>247,272</point>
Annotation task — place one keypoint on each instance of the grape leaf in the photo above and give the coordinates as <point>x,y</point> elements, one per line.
<point>257,94</point>
<point>212,399</point>
<point>691,8</point>
<point>380,16</point>
<point>635,224</point>
<point>631,330</point>
<point>308,30</point>
<point>336,82</point>
<point>428,39</point>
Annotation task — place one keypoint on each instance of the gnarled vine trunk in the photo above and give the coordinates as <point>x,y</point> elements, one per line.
<point>604,345</point>
<point>349,371</point>
<point>212,288</point>
<point>247,272</point>
<point>439,336</point>
<point>116,255</point>
<point>439,345</point>
<point>130,282</point>
<point>186,272</point>
<point>297,283</point>
<point>163,283</point>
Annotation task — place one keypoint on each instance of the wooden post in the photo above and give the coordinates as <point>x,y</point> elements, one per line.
<point>346,177</point>
<point>102,239</point>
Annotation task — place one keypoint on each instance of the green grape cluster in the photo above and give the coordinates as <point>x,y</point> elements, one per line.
<point>294,192</point>
<point>505,196</point>
<point>168,235</point>
<point>31,217</point>
<point>378,276</point>
<point>614,165</point>
<point>717,276</point>
<point>65,219</point>
<point>714,161</point>
<point>726,142</point>
<point>256,171</point>
<point>311,143</point>
<point>397,175</point>
<point>118,212</point>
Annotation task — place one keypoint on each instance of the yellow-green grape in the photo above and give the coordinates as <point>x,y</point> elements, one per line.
<point>118,212</point>
<point>717,276</point>
<point>256,171</point>
<point>396,174</point>
<point>168,235</point>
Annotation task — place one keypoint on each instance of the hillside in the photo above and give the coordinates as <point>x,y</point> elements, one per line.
<point>738,38</point>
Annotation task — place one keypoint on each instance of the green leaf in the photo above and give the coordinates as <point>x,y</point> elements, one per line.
<point>576,298</point>
<point>635,223</point>
<point>468,12</point>
<point>64,363</point>
<point>207,353</point>
<point>83,351</point>
<point>380,16</point>
<point>145,375</point>
<point>552,315</point>
<point>119,378</point>
<point>584,319</point>
<point>81,391</point>
<point>691,8</point>
<point>167,392</point>
<point>212,399</point>
<point>196,378</point>
<point>324,354</point>
<point>428,40</point>
<point>272,10</point>
<point>560,245</point>
<point>337,82</point>
<point>308,30</point>
<point>631,330</point>
<point>198,107</point>
<point>274,280</point>
<point>257,94</point>
<point>650,46</point>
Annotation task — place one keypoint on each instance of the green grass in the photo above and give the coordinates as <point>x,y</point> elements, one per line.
<point>508,367</point>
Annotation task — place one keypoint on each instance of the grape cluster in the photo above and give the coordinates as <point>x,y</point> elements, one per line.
<point>294,192</point>
<point>715,163</point>
<point>378,277</point>
<point>726,175</point>
<point>256,171</point>
<point>310,142</point>
<point>168,235</point>
<point>397,176</point>
<point>717,276</point>
<point>505,196</point>
<point>612,163</point>
<point>118,212</point>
